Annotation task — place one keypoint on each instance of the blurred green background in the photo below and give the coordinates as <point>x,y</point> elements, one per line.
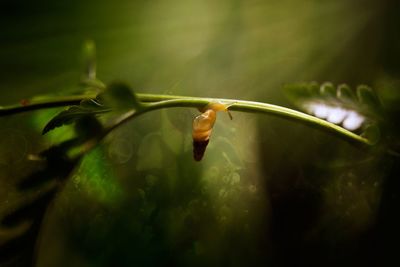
<point>268,192</point>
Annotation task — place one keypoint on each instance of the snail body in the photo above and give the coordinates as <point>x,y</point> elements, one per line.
<point>202,128</point>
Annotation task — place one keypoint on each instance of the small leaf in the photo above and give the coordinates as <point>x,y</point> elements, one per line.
<point>312,88</point>
<point>327,90</point>
<point>70,115</point>
<point>301,90</point>
<point>339,106</point>
<point>367,96</point>
<point>119,96</point>
<point>345,93</point>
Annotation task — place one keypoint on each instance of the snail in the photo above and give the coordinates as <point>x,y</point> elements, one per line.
<point>202,127</point>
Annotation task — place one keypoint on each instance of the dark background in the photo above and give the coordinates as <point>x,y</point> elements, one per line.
<point>268,192</point>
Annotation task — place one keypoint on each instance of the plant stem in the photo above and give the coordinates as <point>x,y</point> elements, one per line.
<point>154,102</point>
<point>38,103</point>
<point>42,103</point>
<point>243,106</point>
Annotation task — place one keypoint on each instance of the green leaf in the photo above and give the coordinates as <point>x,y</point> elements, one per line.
<point>368,97</point>
<point>96,177</point>
<point>119,96</point>
<point>327,90</point>
<point>345,93</point>
<point>338,105</point>
<point>300,91</point>
<point>313,88</point>
<point>73,113</point>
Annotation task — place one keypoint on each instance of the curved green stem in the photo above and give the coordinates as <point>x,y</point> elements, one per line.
<point>243,106</point>
<point>154,101</point>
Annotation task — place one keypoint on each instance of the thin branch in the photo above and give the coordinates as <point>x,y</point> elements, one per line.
<point>43,103</point>
<point>155,101</point>
<point>242,106</point>
<point>38,103</point>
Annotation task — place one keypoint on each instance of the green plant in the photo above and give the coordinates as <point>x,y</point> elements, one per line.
<point>101,109</point>
<point>118,97</point>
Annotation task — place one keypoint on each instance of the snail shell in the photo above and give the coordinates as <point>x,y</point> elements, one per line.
<point>202,128</point>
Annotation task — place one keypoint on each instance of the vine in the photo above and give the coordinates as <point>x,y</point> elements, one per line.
<point>151,102</point>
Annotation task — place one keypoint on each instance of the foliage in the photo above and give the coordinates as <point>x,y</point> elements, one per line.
<point>73,113</point>
<point>358,110</point>
<point>163,204</point>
